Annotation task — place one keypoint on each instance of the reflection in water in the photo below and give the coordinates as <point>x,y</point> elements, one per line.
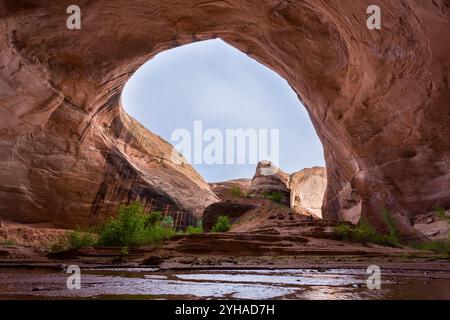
<point>229,284</point>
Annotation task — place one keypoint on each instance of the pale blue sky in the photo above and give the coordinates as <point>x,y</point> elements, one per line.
<point>213,82</point>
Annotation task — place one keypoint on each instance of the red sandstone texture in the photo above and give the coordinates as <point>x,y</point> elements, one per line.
<point>379,100</point>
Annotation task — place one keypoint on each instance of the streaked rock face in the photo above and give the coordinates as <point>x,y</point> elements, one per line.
<point>377,98</point>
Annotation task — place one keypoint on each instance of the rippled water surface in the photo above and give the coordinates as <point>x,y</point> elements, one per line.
<point>221,284</point>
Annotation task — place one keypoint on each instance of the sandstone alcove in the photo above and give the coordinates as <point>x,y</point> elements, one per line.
<point>378,100</point>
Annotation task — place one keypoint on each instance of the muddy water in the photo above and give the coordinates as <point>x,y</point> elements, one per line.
<point>222,284</point>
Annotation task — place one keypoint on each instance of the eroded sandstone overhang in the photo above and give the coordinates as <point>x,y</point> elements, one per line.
<point>377,98</point>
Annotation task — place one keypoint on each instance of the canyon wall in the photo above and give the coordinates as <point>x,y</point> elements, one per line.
<point>379,100</point>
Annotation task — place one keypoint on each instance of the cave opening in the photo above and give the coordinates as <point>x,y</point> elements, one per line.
<point>225,113</point>
<point>211,85</point>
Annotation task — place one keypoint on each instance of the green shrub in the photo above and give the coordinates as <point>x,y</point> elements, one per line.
<point>435,246</point>
<point>364,233</point>
<point>154,218</point>
<point>194,230</point>
<point>236,192</point>
<point>133,227</point>
<point>222,224</point>
<point>274,196</point>
<point>74,240</point>
<point>78,240</point>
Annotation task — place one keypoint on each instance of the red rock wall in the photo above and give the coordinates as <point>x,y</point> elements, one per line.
<point>378,99</point>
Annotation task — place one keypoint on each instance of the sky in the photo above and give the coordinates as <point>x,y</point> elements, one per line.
<point>212,82</point>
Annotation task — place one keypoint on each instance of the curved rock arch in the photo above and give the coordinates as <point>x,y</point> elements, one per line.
<point>378,100</point>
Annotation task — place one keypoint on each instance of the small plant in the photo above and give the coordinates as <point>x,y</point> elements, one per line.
<point>274,196</point>
<point>365,233</point>
<point>194,230</point>
<point>440,213</point>
<point>8,243</point>
<point>237,192</point>
<point>222,224</point>
<point>442,247</point>
<point>78,240</point>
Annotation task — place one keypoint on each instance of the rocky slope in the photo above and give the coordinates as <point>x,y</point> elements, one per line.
<point>377,98</point>
<point>247,204</point>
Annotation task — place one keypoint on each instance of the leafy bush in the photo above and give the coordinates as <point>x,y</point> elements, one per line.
<point>236,192</point>
<point>154,217</point>
<point>194,230</point>
<point>365,233</point>
<point>222,224</point>
<point>78,240</point>
<point>133,227</point>
<point>74,240</point>
<point>274,196</point>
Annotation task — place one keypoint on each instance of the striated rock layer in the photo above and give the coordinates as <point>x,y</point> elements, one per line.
<point>377,98</point>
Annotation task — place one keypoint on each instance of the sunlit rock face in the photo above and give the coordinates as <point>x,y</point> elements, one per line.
<point>307,190</point>
<point>377,98</point>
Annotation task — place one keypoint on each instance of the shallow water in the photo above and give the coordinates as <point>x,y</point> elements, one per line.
<point>222,284</point>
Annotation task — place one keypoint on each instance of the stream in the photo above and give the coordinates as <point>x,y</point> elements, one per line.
<point>148,283</point>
